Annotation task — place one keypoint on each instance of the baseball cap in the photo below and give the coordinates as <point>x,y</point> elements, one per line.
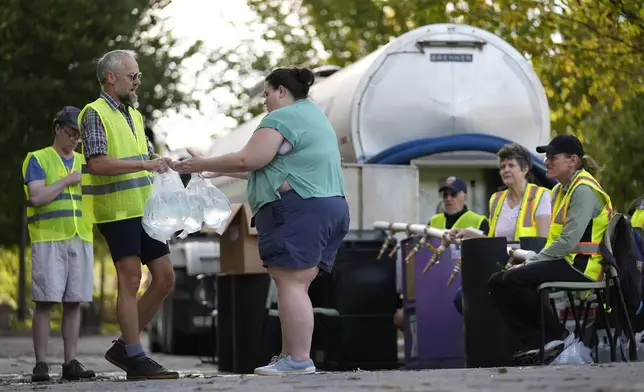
<point>68,116</point>
<point>453,183</point>
<point>567,144</point>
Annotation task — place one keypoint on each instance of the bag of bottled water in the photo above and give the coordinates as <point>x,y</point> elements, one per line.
<point>167,208</point>
<point>209,206</point>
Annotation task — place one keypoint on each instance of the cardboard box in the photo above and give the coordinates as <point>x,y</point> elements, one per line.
<point>238,244</point>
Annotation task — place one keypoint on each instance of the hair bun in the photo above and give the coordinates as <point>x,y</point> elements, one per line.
<point>304,75</point>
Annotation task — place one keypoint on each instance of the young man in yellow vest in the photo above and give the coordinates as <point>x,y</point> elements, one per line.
<point>116,185</point>
<point>581,212</point>
<point>62,256</point>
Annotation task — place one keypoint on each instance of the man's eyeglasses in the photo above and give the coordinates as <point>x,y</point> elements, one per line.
<point>449,194</point>
<point>132,76</point>
<point>73,135</point>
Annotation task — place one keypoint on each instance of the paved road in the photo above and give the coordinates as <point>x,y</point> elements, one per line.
<point>16,362</point>
<point>16,357</point>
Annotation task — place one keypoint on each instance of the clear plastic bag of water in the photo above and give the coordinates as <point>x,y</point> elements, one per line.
<point>209,206</point>
<point>168,207</point>
<point>574,354</point>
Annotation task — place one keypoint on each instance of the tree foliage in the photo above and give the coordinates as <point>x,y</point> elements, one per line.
<point>48,52</point>
<point>587,53</point>
<point>613,138</point>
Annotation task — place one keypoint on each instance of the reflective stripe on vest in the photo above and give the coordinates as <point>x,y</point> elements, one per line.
<point>529,210</point>
<point>64,196</point>
<point>122,185</point>
<point>54,214</point>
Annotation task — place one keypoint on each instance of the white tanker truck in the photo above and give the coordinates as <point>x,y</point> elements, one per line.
<point>437,101</point>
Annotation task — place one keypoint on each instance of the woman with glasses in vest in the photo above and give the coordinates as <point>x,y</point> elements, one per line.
<point>521,210</point>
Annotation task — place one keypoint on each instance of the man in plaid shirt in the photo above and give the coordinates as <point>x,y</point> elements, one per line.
<point>115,187</point>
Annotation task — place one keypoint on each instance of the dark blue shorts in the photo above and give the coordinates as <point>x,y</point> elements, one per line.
<point>301,233</point>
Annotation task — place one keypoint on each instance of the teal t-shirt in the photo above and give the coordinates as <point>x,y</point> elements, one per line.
<point>312,167</point>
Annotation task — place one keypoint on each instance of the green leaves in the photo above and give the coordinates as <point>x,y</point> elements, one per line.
<point>48,53</point>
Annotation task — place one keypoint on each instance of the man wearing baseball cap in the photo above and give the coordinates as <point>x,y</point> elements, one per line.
<point>62,256</point>
<point>455,215</point>
<point>581,213</point>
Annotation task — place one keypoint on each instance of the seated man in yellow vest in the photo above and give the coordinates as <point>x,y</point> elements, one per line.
<point>62,253</point>
<point>637,215</point>
<point>581,213</point>
<point>456,215</point>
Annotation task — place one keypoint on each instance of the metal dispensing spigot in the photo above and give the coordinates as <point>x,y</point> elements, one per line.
<point>386,243</point>
<point>455,271</point>
<point>399,243</point>
<point>437,254</point>
<point>417,247</point>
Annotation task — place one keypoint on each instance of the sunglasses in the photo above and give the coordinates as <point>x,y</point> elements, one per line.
<point>450,194</point>
<point>132,76</point>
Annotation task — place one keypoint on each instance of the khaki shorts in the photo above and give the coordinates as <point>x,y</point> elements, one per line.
<point>62,271</point>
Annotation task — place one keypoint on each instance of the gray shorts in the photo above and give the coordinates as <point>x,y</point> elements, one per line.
<point>62,271</point>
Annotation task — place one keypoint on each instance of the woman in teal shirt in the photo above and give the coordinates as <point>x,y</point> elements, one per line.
<point>296,194</point>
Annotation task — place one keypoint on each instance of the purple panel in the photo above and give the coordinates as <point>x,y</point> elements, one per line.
<point>433,327</point>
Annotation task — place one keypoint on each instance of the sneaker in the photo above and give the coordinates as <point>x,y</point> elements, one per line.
<point>284,364</point>
<point>74,370</point>
<point>531,357</point>
<point>40,372</point>
<point>117,355</point>
<point>145,368</point>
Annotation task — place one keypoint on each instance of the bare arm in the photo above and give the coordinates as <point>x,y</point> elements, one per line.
<point>240,175</point>
<point>258,152</point>
<point>40,194</point>
<point>544,215</point>
<point>543,225</point>
<point>104,165</point>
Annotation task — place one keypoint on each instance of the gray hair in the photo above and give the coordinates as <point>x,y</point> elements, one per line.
<point>111,60</point>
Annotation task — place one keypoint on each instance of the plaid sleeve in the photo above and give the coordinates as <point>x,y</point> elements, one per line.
<point>93,135</point>
<point>150,147</point>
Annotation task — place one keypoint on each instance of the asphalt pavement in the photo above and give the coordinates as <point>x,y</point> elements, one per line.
<point>16,362</point>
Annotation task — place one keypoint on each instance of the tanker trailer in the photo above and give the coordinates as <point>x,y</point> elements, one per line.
<point>437,101</point>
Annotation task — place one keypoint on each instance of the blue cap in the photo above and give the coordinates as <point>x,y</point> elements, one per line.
<point>68,116</point>
<point>455,184</point>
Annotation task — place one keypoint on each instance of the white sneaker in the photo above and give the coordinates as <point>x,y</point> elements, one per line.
<point>284,365</point>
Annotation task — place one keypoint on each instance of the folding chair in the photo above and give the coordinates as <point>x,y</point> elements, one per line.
<point>599,293</point>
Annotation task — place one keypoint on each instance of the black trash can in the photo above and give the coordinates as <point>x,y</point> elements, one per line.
<point>488,341</point>
<point>185,317</point>
<point>355,328</point>
<point>246,336</point>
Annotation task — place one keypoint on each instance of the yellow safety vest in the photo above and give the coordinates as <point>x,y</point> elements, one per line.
<point>61,218</point>
<point>589,244</point>
<point>637,220</point>
<point>114,198</point>
<point>526,225</point>
<point>468,219</point>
